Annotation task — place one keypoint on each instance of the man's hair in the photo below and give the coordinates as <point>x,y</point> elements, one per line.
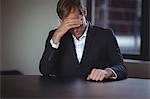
<point>64,7</point>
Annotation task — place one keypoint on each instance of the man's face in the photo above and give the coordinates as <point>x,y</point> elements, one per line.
<point>78,31</point>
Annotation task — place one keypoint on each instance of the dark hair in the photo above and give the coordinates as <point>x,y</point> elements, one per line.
<point>64,7</point>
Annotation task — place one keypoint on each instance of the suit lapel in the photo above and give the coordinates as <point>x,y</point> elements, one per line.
<point>88,43</point>
<point>73,49</point>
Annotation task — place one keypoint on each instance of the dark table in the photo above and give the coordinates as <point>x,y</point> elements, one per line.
<point>52,88</point>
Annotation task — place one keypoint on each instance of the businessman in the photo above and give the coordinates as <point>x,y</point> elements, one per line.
<point>78,49</point>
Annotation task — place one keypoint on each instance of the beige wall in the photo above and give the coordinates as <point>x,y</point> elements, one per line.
<point>26,24</point>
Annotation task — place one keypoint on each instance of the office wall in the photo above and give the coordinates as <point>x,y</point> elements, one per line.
<point>0,38</point>
<point>26,24</point>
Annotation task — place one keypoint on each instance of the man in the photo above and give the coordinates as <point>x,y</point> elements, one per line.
<point>78,49</point>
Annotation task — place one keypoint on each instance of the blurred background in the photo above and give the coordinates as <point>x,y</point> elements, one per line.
<point>25,27</point>
<point>25,24</point>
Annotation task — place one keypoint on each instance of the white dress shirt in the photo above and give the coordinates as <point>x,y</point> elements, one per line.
<point>79,44</point>
<point>79,47</point>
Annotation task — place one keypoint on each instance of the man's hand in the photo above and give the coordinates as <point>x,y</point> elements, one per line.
<point>65,25</point>
<point>99,74</point>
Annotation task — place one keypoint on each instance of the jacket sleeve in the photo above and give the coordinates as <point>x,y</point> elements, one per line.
<point>48,62</point>
<point>115,57</point>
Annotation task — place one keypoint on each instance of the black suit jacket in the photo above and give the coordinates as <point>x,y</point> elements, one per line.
<point>101,51</point>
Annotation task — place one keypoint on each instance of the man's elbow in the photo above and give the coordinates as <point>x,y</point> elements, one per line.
<point>43,70</point>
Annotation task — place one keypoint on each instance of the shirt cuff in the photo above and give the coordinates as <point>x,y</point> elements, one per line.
<point>115,75</point>
<point>54,45</point>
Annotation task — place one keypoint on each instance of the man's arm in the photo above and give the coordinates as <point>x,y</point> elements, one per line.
<point>115,69</point>
<point>115,57</point>
<point>48,59</point>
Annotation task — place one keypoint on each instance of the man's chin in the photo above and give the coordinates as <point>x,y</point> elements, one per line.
<point>78,36</point>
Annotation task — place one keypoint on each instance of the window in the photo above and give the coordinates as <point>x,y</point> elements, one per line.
<point>125,18</point>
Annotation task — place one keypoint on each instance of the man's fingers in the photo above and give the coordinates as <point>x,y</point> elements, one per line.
<point>96,74</point>
<point>102,77</point>
<point>88,78</point>
<point>98,77</point>
<point>92,74</point>
<point>74,21</point>
<point>73,26</point>
<point>67,24</point>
